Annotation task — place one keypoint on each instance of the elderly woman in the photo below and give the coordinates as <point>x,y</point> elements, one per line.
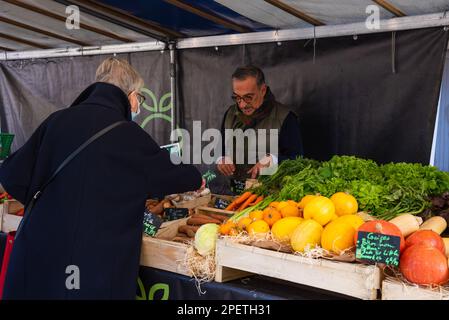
<point>82,239</point>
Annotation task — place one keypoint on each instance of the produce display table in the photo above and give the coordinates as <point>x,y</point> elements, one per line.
<point>156,284</point>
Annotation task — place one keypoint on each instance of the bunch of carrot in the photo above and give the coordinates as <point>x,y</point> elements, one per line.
<point>247,199</point>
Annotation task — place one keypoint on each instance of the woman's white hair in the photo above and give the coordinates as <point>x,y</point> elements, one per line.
<point>119,73</point>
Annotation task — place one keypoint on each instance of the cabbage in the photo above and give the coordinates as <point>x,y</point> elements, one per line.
<point>205,238</point>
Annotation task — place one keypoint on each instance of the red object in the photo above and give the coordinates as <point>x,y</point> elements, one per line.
<point>20,212</point>
<point>382,227</point>
<point>6,255</point>
<point>422,264</point>
<point>427,237</point>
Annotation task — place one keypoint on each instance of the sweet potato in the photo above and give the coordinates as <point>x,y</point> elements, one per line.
<point>188,230</point>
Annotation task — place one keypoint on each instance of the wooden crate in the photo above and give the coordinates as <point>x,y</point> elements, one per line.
<point>352,279</point>
<point>9,221</point>
<point>192,204</point>
<point>206,210</point>
<point>393,289</point>
<point>161,253</point>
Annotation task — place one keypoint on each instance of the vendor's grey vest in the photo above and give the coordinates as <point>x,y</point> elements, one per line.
<point>273,121</point>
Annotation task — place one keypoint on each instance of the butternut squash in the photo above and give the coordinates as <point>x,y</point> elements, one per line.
<point>407,223</point>
<point>437,224</point>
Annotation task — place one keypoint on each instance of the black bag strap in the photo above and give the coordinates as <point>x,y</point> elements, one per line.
<point>36,196</point>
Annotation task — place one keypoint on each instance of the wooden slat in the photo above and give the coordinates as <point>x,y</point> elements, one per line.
<point>209,16</point>
<point>44,32</point>
<point>6,49</point>
<point>131,18</point>
<point>52,15</point>
<point>23,41</point>
<point>389,7</point>
<point>295,12</point>
<point>352,279</point>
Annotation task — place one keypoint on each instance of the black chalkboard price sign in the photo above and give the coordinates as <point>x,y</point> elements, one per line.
<point>221,204</point>
<point>151,223</point>
<point>378,248</point>
<point>175,213</point>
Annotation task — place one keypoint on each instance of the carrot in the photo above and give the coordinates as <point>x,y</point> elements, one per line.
<point>238,201</point>
<point>247,202</point>
<point>259,199</point>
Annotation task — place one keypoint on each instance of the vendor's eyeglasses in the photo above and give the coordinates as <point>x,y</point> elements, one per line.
<point>140,98</point>
<point>246,98</point>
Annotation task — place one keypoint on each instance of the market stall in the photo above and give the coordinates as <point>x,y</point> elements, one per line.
<point>361,226</point>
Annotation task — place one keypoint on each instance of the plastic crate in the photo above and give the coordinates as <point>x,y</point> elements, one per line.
<point>5,144</point>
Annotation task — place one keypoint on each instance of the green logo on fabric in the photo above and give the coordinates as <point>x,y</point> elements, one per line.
<point>157,107</point>
<point>154,288</point>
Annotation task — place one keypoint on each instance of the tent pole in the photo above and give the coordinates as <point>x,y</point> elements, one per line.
<point>326,31</point>
<point>173,71</point>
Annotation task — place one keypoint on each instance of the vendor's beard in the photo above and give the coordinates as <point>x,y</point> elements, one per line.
<point>248,110</point>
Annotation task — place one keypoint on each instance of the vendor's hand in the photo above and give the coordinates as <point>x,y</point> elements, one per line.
<point>265,162</point>
<point>226,166</point>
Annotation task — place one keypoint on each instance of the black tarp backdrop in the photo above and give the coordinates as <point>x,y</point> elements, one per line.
<point>30,90</point>
<point>348,99</point>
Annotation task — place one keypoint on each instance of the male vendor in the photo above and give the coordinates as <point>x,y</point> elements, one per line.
<point>256,108</point>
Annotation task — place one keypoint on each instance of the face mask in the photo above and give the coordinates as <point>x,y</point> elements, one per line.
<point>135,114</point>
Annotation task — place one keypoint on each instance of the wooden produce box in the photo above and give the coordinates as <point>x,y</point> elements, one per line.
<point>9,221</point>
<point>393,289</point>
<point>351,279</point>
<point>192,204</point>
<point>208,210</point>
<point>162,253</point>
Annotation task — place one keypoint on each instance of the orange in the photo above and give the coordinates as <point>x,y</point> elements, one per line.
<point>281,205</point>
<point>244,223</point>
<point>273,204</point>
<point>290,211</point>
<point>256,215</point>
<point>293,203</point>
<point>226,227</point>
<point>344,203</point>
<point>305,200</point>
<point>259,228</point>
<point>271,215</point>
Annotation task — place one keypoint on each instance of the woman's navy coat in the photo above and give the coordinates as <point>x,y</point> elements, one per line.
<point>91,215</point>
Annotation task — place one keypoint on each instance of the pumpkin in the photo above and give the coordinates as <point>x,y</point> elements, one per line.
<point>320,209</point>
<point>423,264</point>
<point>305,200</point>
<point>382,227</point>
<point>283,229</point>
<point>290,211</point>
<point>338,236</point>
<point>353,220</point>
<point>427,237</point>
<point>307,234</point>
<point>344,203</point>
